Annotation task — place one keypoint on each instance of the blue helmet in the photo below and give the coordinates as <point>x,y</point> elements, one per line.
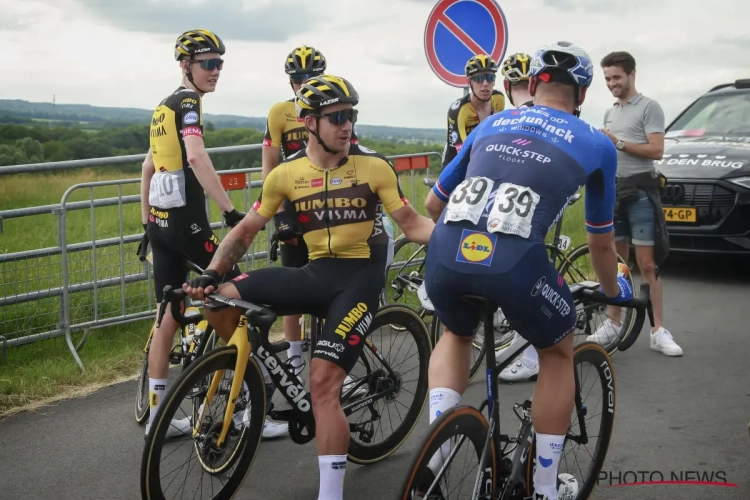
<point>565,56</point>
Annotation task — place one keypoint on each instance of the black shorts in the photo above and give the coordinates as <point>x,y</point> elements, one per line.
<point>344,292</point>
<point>174,238</point>
<point>294,255</point>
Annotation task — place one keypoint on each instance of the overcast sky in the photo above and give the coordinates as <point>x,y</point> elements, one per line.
<point>120,52</point>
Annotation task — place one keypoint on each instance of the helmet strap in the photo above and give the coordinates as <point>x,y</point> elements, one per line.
<point>320,141</point>
<point>189,75</point>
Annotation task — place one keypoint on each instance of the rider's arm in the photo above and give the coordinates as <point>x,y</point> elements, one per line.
<point>384,182</point>
<point>147,172</point>
<point>239,239</point>
<point>451,176</point>
<point>450,148</point>
<point>600,205</point>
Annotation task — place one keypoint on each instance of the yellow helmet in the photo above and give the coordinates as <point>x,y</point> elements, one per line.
<point>305,60</point>
<point>517,67</point>
<point>197,42</point>
<point>479,63</point>
<point>321,91</point>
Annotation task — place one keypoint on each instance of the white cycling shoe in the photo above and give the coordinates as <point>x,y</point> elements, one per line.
<point>567,488</point>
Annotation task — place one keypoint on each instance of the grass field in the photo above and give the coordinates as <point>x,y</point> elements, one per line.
<point>35,372</point>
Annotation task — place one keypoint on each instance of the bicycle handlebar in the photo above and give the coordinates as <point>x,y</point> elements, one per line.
<point>262,316</point>
<point>642,305</point>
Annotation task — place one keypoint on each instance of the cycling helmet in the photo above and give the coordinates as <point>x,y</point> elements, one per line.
<point>563,62</point>
<point>479,63</point>
<point>516,67</point>
<point>304,60</point>
<point>195,42</point>
<point>321,91</point>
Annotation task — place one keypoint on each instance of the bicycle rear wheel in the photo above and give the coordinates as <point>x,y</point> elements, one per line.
<point>465,429</point>
<point>394,360</point>
<point>218,471</point>
<point>594,375</point>
<point>142,406</point>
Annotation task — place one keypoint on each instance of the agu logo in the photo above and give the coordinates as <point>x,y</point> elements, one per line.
<point>476,247</point>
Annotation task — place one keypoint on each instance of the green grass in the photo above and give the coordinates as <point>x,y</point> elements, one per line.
<point>36,372</point>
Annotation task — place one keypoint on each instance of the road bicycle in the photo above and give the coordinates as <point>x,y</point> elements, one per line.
<point>223,393</point>
<point>195,339</point>
<point>503,466</point>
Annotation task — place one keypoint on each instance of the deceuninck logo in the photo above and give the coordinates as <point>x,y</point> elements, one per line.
<point>476,247</point>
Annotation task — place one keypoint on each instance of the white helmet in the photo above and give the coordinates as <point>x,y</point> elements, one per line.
<point>565,56</point>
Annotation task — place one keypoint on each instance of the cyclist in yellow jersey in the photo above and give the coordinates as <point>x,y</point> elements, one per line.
<point>483,100</point>
<point>286,134</point>
<point>516,70</point>
<point>339,190</point>
<point>175,173</point>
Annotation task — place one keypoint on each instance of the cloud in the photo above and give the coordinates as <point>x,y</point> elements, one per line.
<point>251,20</point>
<point>598,6</point>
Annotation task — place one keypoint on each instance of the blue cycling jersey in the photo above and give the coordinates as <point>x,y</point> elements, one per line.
<point>517,171</point>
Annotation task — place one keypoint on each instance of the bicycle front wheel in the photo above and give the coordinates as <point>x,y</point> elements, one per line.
<point>219,470</point>
<point>142,406</point>
<point>459,432</point>
<point>591,423</point>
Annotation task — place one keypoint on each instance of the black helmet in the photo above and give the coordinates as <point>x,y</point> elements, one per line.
<point>195,42</point>
<point>321,91</point>
<point>304,60</point>
<point>480,62</point>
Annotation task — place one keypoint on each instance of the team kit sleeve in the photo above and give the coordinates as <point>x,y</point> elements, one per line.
<point>450,150</point>
<point>384,183</point>
<point>455,172</point>
<point>191,122</point>
<point>601,192</point>
<point>273,192</point>
<point>273,128</point>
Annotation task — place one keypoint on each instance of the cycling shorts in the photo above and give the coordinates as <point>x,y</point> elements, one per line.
<point>522,282</point>
<point>294,255</point>
<point>174,238</point>
<point>344,292</point>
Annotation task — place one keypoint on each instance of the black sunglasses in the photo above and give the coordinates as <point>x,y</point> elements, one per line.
<point>489,77</point>
<point>341,117</point>
<point>211,64</point>
<point>301,78</point>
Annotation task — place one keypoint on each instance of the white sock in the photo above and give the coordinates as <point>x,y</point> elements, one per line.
<point>332,470</point>
<point>295,349</point>
<point>548,452</point>
<point>441,399</point>
<point>157,387</point>
<point>530,357</point>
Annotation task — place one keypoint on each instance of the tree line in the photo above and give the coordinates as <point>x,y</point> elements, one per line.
<point>21,144</point>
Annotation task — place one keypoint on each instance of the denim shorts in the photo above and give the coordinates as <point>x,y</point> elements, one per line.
<point>636,221</point>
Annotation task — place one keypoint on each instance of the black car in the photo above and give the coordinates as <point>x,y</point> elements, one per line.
<point>706,200</point>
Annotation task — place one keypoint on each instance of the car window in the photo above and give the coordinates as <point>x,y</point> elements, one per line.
<point>725,115</point>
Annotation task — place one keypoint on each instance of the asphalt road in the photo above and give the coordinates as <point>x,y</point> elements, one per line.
<point>685,416</point>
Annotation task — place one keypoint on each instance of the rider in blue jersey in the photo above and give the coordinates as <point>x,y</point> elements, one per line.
<point>493,205</point>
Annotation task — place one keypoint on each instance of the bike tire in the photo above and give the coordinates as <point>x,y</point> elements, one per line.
<point>223,358</point>
<point>580,252</point>
<point>400,242</point>
<point>457,421</point>
<point>142,405</point>
<point>413,325</point>
<point>597,356</point>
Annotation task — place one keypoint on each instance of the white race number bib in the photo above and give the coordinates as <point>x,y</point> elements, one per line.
<point>167,190</point>
<point>468,200</point>
<point>512,210</point>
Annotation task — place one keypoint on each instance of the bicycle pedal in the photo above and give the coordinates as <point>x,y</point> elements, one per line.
<point>281,415</point>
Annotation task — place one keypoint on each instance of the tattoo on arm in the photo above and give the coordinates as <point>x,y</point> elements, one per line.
<point>230,252</point>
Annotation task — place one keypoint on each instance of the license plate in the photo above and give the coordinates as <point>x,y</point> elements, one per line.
<point>680,214</point>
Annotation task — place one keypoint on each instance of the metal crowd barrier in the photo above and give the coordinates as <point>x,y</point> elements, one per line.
<point>88,283</point>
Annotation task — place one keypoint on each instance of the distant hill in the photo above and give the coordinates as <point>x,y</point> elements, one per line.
<point>94,118</point>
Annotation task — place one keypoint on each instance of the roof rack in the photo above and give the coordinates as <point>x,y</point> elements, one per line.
<point>742,83</point>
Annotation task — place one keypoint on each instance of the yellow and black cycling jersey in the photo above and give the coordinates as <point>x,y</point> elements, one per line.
<point>284,130</point>
<point>174,184</point>
<point>340,210</point>
<point>462,119</point>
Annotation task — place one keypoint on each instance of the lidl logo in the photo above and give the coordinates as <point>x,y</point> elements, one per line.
<point>476,247</point>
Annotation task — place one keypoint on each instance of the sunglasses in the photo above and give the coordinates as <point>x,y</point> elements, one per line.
<point>483,77</point>
<point>341,117</point>
<point>301,78</point>
<point>211,64</point>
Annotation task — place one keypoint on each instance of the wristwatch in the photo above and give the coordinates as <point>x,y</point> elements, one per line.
<point>620,145</point>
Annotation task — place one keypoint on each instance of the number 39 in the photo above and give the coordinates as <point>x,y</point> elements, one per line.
<point>514,199</point>
<point>471,191</point>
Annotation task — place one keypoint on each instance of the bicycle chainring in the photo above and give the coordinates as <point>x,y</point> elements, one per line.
<point>298,432</point>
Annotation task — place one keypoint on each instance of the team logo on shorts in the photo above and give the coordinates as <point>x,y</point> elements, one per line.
<point>476,247</point>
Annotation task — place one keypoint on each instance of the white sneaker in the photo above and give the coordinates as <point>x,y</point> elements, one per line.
<point>661,340</point>
<point>568,487</point>
<point>178,428</point>
<point>518,371</point>
<point>358,392</point>
<point>272,430</point>
<point>606,333</point>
